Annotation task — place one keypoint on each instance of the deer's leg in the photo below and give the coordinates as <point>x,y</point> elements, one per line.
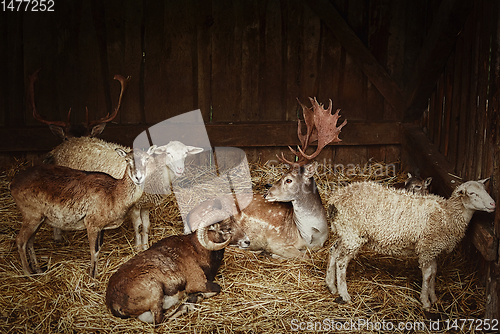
<point>145,228</point>
<point>135,216</point>
<point>287,252</point>
<point>24,241</point>
<point>95,237</point>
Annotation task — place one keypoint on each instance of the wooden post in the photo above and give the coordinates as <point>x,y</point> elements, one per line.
<point>493,284</point>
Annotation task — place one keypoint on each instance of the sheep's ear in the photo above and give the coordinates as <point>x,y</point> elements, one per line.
<point>151,150</point>
<point>409,175</point>
<point>484,181</point>
<point>160,149</point>
<point>194,150</point>
<point>120,152</point>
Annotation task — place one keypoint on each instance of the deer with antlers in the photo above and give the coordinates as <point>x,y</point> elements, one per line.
<point>291,218</point>
<point>64,129</point>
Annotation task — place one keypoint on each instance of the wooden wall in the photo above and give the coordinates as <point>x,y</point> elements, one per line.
<point>459,137</point>
<point>240,62</point>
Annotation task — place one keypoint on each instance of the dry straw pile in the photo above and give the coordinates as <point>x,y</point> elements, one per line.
<point>259,294</point>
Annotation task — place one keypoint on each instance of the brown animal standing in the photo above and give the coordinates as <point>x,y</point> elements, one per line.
<point>71,199</point>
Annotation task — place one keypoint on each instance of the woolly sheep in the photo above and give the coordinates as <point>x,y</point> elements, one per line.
<point>394,222</point>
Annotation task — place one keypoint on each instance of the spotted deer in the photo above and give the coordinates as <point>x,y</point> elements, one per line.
<point>290,218</point>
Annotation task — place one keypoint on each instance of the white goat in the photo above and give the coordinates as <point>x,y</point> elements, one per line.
<point>71,199</point>
<point>93,154</point>
<point>395,222</point>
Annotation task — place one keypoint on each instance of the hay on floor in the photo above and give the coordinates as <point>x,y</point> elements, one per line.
<point>259,294</point>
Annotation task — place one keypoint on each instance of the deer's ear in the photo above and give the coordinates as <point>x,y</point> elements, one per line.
<point>310,169</point>
<point>58,131</point>
<point>97,129</point>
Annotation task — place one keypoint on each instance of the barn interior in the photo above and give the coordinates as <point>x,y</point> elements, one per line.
<point>417,81</point>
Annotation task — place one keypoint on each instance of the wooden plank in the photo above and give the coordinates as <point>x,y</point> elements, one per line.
<point>447,104</point>
<point>483,236</point>
<point>493,284</point>
<point>293,11</point>
<point>12,76</point>
<point>226,62</point>
<point>380,22</point>
<point>370,66</point>
<point>124,56</point>
<point>440,41</point>
<point>270,63</point>
<point>204,23</point>
<point>328,76</point>
<point>252,41</point>
<point>169,41</point>
<point>455,104</point>
<point>308,53</point>
<point>221,134</point>
<point>464,115</point>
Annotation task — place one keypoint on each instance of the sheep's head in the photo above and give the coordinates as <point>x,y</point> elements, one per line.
<point>174,154</point>
<point>475,197</point>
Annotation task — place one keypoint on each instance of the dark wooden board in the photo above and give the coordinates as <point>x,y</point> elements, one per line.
<point>221,134</point>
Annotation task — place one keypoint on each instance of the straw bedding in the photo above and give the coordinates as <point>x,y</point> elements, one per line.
<point>259,294</point>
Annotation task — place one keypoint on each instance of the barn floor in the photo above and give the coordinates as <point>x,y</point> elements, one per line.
<point>259,294</point>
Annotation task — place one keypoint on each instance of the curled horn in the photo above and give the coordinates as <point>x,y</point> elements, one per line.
<point>202,232</point>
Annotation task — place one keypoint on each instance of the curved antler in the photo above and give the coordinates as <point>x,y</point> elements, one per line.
<point>108,118</point>
<point>321,127</point>
<point>31,100</point>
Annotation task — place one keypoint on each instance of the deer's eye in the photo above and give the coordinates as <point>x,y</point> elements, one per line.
<point>288,181</point>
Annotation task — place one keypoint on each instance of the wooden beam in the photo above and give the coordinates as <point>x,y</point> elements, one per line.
<point>389,89</point>
<point>265,134</point>
<point>432,163</point>
<point>440,41</point>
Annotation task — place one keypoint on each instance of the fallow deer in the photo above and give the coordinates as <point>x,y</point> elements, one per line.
<point>291,218</point>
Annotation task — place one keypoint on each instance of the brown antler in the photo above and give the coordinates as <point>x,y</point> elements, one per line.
<point>36,115</point>
<point>108,118</point>
<point>321,127</point>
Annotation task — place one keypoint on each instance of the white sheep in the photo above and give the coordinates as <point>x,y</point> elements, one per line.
<point>368,215</point>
